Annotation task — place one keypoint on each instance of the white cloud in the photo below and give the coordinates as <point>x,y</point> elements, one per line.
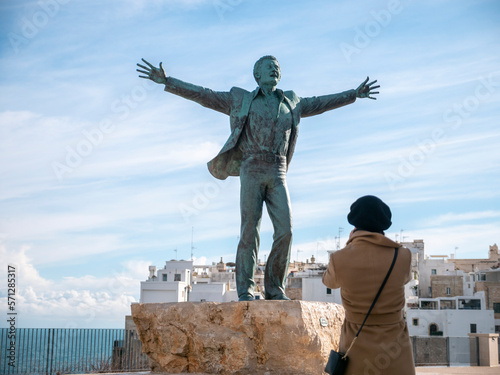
<point>72,302</point>
<point>463,217</point>
<point>472,240</point>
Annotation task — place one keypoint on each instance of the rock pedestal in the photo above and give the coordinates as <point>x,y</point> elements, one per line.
<point>257,337</point>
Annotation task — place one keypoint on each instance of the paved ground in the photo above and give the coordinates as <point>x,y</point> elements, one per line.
<point>458,370</point>
<point>420,370</point>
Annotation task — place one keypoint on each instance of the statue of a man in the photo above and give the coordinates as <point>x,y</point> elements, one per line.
<point>264,127</point>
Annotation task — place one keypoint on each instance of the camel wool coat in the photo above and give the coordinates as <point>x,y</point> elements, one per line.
<point>383,346</point>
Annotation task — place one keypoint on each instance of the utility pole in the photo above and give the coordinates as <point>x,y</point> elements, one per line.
<point>298,251</point>
<point>192,246</point>
<point>337,238</point>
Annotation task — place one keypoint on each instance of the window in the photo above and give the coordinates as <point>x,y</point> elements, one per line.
<point>469,304</point>
<point>473,328</point>
<point>328,291</point>
<point>433,272</point>
<point>497,329</point>
<point>448,291</point>
<point>164,277</point>
<point>177,277</point>
<point>415,321</point>
<point>447,304</point>
<point>430,291</point>
<point>428,305</point>
<point>496,307</point>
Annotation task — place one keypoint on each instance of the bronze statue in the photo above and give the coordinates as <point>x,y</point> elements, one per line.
<point>264,127</point>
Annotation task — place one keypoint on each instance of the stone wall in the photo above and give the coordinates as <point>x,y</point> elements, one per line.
<point>431,351</point>
<point>257,337</point>
<point>439,283</point>
<point>492,293</point>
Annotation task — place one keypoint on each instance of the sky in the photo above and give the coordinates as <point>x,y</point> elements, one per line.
<point>103,173</point>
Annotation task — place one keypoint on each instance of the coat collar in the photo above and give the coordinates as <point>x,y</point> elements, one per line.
<point>372,237</point>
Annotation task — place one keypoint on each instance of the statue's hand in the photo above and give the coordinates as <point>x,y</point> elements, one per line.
<point>365,90</point>
<point>154,74</point>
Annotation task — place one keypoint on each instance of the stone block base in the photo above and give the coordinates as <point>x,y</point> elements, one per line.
<point>257,337</point>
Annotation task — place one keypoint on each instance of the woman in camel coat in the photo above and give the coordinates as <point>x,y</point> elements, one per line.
<point>383,346</point>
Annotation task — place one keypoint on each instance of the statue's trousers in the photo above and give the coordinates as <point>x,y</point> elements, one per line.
<point>263,179</point>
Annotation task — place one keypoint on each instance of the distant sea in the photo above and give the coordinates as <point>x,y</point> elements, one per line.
<point>52,350</point>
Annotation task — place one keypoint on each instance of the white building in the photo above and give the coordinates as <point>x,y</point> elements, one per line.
<point>313,289</point>
<point>171,283</point>
<point>181,281</point>
<point>213,292</point>
<point>457,310</point>
<point>452,317</point>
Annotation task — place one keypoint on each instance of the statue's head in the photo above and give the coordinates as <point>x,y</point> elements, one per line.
<point>267,71</point>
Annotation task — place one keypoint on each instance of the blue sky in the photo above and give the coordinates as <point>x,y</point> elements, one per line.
<point>104,173</point>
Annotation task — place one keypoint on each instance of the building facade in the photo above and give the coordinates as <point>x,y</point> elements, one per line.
<point>450,317</point>
<point>181,281</point>
<point>172,283</point>
<point>454,295</point>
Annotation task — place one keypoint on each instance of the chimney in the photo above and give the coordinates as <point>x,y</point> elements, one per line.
<point>152,271</point>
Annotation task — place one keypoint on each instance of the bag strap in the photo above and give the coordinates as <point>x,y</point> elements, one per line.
<point>375,300</point>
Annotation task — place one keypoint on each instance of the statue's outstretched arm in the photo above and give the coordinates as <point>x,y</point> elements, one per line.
<point>318,104</point>
<point>217,100</point>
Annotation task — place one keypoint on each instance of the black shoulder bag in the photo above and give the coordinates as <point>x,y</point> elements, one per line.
<point>337,362</point>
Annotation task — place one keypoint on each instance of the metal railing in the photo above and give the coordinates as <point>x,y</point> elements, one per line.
<point>70,351</point>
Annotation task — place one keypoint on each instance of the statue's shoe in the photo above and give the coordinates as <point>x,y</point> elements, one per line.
<point>246,297</point>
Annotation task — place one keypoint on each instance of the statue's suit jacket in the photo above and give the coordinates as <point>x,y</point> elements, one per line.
<point>236,103</point>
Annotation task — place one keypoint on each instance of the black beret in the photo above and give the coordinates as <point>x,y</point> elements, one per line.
<point>370,213</point>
